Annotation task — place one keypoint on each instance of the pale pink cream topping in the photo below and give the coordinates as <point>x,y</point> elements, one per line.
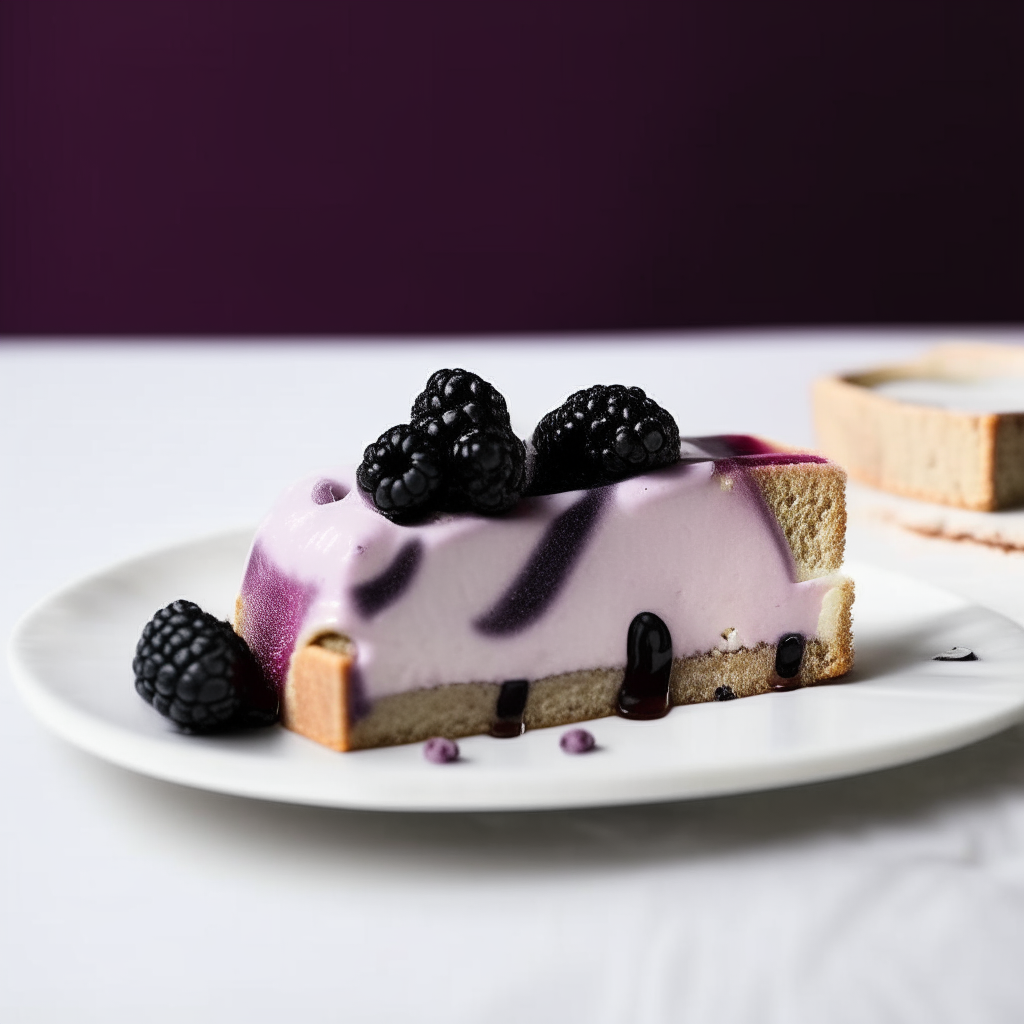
<point>690,543</point>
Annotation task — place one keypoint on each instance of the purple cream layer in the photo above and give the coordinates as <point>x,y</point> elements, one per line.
<point>549,587</point>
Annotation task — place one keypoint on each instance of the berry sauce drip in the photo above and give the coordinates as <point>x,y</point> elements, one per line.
<point>956,654</point>
<point>508,716</point>
<point>644,692</point>
<point>375,595</point>
<point>277,605</point>
<point>749,451</point>
<point>788,655</point>
<point>549,566</point>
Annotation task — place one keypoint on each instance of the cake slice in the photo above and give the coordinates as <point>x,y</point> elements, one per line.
<point>377,633</point>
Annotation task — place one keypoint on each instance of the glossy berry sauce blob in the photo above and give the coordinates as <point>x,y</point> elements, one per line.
<point>789,654</point>
<point>644,693</point>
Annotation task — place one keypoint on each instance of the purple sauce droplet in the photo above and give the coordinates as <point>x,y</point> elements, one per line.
<point>274,607</point>
<point>439,750</point>
<point>508,715</point>
<point>956,654</point>
<point>577,741</point>
<point>644,692</point>
<point>789,653</point>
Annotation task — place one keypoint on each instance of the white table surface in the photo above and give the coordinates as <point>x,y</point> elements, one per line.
<point>893,897</point>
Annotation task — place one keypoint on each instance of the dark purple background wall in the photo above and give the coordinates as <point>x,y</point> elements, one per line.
<point>231,166</point>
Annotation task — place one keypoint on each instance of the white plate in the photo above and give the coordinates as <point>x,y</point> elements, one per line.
<point>72,656</point>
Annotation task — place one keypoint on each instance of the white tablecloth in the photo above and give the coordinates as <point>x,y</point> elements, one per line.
<point>897,896</point>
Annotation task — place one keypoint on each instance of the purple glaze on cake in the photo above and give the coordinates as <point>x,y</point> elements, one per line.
<point>275,606</point>
<point>723,446</point>
<point>376,594</point>
<point>771,459</point>
<point>577,741</point>
<point>327,491</point>
<point>742,449</point>
<point>440,750</point>
<point>547,569</point>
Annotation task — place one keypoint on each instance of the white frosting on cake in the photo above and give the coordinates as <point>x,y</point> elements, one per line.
<point>692,543</point>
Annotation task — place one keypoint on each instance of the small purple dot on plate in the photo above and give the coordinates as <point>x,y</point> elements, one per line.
<point>577,741</point>
<point>439,750</point>
<point>325,491</point>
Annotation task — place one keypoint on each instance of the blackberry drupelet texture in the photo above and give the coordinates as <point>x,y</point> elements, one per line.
<point>482,460</point>
<point>598,436</point>
<point>401,471</point>
<point>486,468</point>
<point>455,402</point>
<point>194,669</point>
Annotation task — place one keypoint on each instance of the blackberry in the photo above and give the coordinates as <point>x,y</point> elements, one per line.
<point>401,471</point>
<point>458,454</point>
<point>485,469</point>
<point>482,460</point>
<point>455,402</point>
<point>195,670</point>
<point>600,435</point>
